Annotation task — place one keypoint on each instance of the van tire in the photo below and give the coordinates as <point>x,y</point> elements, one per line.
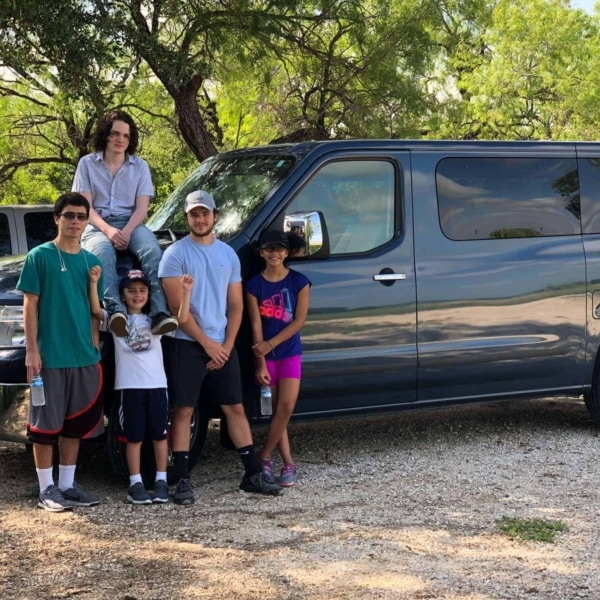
<point>592,398</point>
<point>118,458</point>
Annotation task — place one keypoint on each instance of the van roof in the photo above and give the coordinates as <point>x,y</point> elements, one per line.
<point>304,148</point>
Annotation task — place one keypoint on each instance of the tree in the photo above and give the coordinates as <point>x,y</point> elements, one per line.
<point>520,69</point>
<point>356,69</point>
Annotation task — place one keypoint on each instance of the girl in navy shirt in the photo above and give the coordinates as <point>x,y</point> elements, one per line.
<point>277,301</point>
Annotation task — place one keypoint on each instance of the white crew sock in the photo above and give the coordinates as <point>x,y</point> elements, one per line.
<point>161,476</point>
<point>66,476</point>
<point>133,479</point>
<point>45,478</point>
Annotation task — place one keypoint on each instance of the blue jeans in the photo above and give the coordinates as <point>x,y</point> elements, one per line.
<point>143,246</point>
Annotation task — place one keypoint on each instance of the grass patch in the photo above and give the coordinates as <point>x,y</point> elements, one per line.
<point>530,530</point>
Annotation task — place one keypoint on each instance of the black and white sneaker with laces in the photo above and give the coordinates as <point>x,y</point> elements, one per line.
<point>162,324</point>
<point>260,484</point>
<point>184,494</point>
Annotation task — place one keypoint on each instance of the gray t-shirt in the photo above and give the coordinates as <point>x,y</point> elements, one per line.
<point>214,267</point>
<point>113,196</point>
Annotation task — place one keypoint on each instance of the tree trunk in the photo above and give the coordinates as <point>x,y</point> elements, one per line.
<point>190,121</point>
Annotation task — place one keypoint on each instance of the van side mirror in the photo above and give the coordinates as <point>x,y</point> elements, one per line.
<point>308,235</point>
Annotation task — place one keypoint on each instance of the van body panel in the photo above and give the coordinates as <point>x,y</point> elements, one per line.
<point>495,316</point>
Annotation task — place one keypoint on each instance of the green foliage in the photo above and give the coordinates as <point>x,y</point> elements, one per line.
<point>208,75</point>
<point>530,530</point>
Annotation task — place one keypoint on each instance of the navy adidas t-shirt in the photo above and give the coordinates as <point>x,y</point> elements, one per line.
<point>277,303</point>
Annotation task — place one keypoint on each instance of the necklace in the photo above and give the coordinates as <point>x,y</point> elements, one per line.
<point>61,260</point>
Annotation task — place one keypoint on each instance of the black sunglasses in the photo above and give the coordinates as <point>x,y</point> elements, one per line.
<point>71,216</point>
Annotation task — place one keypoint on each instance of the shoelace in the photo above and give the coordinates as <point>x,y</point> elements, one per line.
<point>54,493</point>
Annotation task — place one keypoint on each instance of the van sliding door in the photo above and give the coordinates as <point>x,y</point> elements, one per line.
<point>501,273</point>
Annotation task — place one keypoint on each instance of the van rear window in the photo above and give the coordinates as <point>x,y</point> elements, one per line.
<point>507,197</point>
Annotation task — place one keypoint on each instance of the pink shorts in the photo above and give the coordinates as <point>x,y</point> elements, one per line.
<point>286,368</point>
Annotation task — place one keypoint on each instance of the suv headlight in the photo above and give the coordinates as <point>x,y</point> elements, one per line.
<point>12,332</point>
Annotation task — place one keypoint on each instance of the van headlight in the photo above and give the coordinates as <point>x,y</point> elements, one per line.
<point>12,332</point>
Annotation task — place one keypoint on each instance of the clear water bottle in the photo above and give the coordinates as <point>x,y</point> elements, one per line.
<point>266,401</point>
<point>37,391</point>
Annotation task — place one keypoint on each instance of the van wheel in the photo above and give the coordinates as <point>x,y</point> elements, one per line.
<point>118,458</point>
<point>592,398</point>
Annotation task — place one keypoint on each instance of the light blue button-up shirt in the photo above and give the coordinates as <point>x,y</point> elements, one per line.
<point>113,196</point>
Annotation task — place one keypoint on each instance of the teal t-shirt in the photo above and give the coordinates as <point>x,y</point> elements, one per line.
<point>64,318</point>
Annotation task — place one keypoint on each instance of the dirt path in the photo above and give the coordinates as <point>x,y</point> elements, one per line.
<point>395,506</point>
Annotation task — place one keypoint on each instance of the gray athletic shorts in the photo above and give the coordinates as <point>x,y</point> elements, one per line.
<point>74,407</point>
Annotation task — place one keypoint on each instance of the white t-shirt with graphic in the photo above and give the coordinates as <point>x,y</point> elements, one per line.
<point>138,357</point>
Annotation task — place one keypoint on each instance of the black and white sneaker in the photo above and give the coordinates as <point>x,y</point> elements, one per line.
<point>260,484</point>
<point>162,324</point>
<point>184,494</point>
<point>137,494</point>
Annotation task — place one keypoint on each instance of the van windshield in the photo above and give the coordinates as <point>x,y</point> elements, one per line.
<point>238,184</point>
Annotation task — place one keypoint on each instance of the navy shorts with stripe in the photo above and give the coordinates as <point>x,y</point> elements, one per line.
<point>144,412</point>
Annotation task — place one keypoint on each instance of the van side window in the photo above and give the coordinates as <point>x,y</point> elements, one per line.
<point>39,228</point>
<point>356,198</point>
<point>589,180</point>
<point>5,247</point>
<point>502,197</point>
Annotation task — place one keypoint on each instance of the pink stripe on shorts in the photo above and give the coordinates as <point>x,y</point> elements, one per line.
<point>286,368</point>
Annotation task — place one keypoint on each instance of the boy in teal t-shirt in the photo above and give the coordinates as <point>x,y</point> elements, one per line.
<point>59,336</point>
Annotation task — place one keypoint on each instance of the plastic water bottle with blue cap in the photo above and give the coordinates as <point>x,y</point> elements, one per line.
<point>37,391</point>
<point>266,401</point>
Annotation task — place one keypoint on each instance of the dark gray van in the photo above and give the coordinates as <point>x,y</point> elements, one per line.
<point>443,272</point>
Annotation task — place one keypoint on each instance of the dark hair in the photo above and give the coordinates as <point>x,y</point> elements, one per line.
<point>71,199</point>
<point>105,126</point>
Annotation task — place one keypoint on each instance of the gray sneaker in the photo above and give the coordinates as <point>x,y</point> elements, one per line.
<point>161,491</point>
<point>137,494</point>
<point>51,499</point>
<point>77,496</point>
<point>288,476</point>
<point>259,484</point>
<point>163,324</point>
<point>184,494</point>
<point>267,469</point>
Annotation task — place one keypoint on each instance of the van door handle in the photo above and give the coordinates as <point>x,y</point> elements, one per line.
<point>387,276</point>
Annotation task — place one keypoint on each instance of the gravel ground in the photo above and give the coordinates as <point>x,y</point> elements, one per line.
<point>393,506</point>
